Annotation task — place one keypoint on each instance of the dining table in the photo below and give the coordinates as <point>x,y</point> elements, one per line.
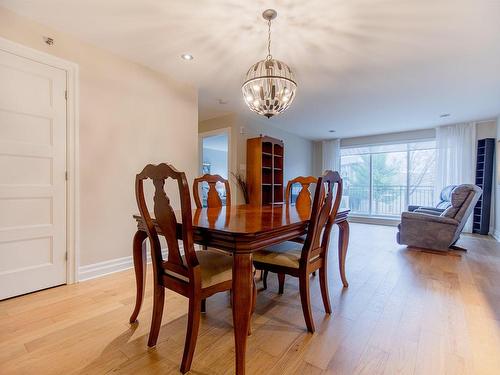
<point>240,230</point>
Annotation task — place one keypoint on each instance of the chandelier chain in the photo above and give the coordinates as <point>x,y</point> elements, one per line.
<point>269,56</point>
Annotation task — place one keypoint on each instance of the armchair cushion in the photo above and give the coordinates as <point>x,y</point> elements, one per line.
<point>430,210</point>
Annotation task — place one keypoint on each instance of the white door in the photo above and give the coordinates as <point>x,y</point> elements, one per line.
<point>32,175</point>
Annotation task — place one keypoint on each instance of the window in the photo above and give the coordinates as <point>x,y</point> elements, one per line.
<point>383,180</point>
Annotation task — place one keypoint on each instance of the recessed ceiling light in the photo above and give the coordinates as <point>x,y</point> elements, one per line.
<point>187,56</point>
<point>331,131</point>
<point>444,115</point>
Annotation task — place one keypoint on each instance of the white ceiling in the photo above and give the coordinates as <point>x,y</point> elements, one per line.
<point>363,66</point>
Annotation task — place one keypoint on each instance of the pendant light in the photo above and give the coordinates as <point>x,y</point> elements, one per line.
<point>269,86</point>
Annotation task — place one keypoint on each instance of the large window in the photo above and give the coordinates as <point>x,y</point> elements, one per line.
<point>383,180</point>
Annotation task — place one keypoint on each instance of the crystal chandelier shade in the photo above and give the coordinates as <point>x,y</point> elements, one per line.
<point>269,86</point>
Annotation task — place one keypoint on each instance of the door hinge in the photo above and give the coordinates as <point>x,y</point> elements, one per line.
<point>66,175</point>
<point>66,94</point>
<point>66,255</point>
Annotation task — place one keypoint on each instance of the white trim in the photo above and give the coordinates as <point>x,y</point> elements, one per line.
<point>209,133</point>
<point>376,220</point>
<point>108,267</point>
<point>227,131</point>
<point>72,147</point>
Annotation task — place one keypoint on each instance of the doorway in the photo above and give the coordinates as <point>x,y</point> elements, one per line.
<point>214,158</point>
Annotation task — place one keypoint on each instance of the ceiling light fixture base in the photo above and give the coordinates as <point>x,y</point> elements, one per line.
<point>269,14</point>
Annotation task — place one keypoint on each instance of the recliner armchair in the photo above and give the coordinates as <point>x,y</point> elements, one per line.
<point>439,231</point>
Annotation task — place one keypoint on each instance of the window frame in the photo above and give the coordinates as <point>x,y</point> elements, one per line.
<point>370,213</point>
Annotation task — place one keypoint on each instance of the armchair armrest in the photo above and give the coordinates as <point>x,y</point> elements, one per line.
<point>430,210</point>
<point>420,216</point>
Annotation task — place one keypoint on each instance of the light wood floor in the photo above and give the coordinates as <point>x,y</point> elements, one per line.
<point>405,312</point>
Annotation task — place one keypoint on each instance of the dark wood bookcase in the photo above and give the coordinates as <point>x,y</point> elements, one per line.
<point>484,179</point>
<point>265,160</point>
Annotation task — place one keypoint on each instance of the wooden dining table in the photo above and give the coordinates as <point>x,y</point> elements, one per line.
<point>240,230</point>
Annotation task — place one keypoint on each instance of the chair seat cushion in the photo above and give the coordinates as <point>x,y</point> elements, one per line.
<point>216,268</point>
<point>300,239</point>
<point>286,254</point>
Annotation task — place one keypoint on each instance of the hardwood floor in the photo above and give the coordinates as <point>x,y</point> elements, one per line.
<point>405,312</point>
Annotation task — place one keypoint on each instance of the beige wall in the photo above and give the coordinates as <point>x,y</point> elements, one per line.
<point>129,116</point>
<point>298,151</point>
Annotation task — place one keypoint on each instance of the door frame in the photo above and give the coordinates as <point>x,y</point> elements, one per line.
<point>226,131</point>
<point>72,147</point>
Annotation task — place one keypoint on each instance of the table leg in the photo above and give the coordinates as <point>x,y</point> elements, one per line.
<point>139,255</point>
<point>343,243</point>
<point>242,305</point>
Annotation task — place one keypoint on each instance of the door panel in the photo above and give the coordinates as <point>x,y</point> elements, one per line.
<point>32,177</point>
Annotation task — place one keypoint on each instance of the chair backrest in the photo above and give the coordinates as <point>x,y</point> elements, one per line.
<point>167,222</point>
<point>213,198</point>
<point>445,197</point>
<point>325,206</point>
<point>304,197</point>
<point>463,200</point>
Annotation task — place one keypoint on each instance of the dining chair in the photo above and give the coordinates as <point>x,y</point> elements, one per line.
<point>196,274</point>
<point>213,198</point>
<point>304,196</point>
<point>214,201</point>
<point>288,258</point>
<point>303,201</point>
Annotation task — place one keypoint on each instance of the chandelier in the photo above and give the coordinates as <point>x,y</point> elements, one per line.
<point>269,86</point>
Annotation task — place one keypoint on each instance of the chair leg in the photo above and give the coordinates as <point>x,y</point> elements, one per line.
<point>264,279</point>
<point>305,300</point>
<point>158,302</point>
<point>323,283</point>
<point>203,305</point>
<point>191,333</point>
<point>254,296</point>
<point>254,301</point>
<point>281,281</point>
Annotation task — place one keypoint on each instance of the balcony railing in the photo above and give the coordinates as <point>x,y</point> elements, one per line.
<point>386,200</point>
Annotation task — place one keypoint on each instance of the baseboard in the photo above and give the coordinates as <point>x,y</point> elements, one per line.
<point>107,267</point>
<point>496,234</point>
<point>392,222</point>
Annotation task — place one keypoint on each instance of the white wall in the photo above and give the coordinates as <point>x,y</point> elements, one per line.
<point>129,116</point>
<point>298,151</point>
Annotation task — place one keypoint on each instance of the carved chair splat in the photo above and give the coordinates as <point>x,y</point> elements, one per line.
<point>184,274</point>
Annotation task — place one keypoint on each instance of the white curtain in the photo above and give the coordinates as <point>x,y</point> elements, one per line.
<point>456,157</point>
<point>331,155</point>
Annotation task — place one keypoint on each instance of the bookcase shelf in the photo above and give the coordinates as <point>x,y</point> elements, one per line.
<point>265,170</point>
<point>484,179</point>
